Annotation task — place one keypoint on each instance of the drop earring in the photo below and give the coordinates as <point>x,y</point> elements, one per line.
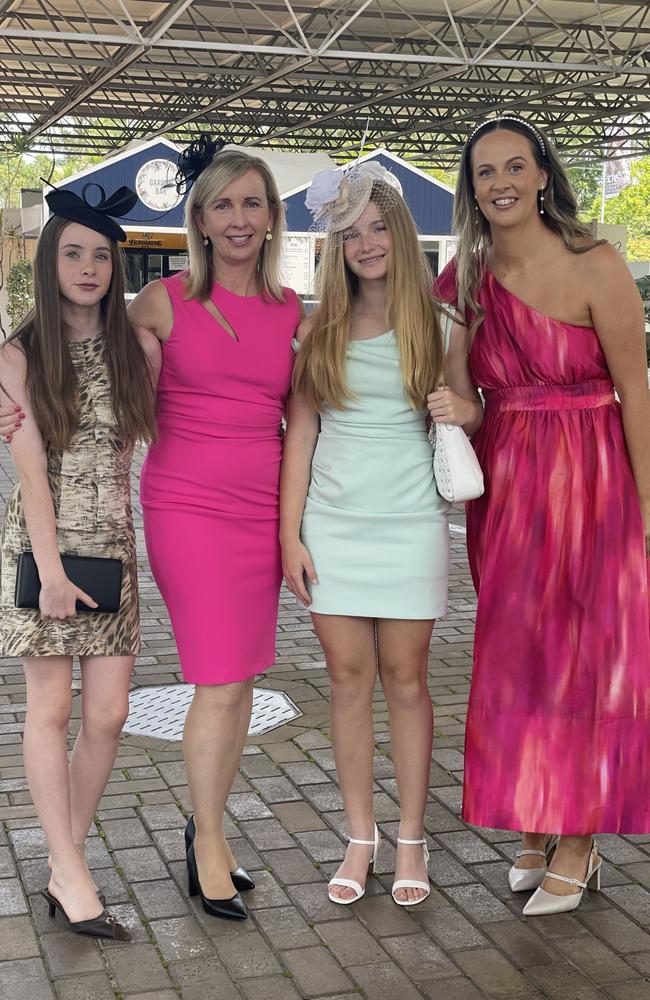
<point>476,211</point>
<point>541,201</point>
<point>269,234</point>
<point>205,241</point>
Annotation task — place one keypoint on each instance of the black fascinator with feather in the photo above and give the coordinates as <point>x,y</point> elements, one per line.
<point>99,215</point>
<point>194,159</point>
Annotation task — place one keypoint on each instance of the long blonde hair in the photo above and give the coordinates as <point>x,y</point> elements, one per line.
<point>227,166</point>
<point>473,231</point>
<point>319,372</point>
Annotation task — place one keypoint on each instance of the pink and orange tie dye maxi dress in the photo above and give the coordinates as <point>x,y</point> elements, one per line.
<point>558,729</point>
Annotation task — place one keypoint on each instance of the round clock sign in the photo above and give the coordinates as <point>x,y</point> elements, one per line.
<point>155,185</point>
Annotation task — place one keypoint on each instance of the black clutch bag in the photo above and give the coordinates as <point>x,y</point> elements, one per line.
<point>100,578</point>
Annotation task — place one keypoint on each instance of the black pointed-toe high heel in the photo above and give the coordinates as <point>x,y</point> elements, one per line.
<point>240,877</point>
<point>230,909</point>
<point>100,896</point>
<point>102,926</point>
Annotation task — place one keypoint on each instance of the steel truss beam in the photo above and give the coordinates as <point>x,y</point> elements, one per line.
<point>415,75</point>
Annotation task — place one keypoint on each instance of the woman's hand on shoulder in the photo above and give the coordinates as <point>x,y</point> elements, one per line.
<point>152,310</point>
<point>296,565</point>
<point>12,380</point>
<point>27,448</point>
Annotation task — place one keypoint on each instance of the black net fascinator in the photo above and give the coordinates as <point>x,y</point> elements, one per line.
<point>193,160</point>
<point>99,215</point>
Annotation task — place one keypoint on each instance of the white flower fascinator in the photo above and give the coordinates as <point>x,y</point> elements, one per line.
<point>324,190</point>
<point>336,198</point>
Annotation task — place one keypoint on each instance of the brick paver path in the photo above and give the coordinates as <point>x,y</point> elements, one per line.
<point>467,941</point>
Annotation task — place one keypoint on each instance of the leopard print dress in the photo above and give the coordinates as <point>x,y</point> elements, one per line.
<point>90,486</point>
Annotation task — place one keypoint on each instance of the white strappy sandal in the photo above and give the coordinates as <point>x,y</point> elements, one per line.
<point>543,902</point>
<point>349,883</point>
<point>527,879</point>
<point>407,883</point>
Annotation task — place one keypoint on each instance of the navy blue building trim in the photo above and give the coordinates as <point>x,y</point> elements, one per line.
<point>124,171</point>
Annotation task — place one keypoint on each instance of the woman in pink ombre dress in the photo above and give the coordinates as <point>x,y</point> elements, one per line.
<point>558,729</point>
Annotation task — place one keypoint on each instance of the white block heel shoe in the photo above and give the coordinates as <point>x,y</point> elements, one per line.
<point>543,902</point>
<point>527,879</point>
<point>349,883</point>
<point>408,883</point>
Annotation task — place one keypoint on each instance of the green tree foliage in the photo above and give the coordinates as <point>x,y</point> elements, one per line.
<point>26,171</point>
<point>631,207</point>
<point>19,292</point>
<point>448,177</point>
<point>585,181</point>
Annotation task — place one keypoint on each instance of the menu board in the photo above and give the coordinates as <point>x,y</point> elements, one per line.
<point>297,264</point>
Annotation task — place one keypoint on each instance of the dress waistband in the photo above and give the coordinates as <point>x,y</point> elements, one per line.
<point>580,396</point>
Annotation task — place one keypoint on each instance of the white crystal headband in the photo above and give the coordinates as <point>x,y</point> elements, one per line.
<point>510,118</point>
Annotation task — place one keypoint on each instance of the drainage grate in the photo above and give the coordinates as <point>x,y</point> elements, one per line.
<point>161,711</point>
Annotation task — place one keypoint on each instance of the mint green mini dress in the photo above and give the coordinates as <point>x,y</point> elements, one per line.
<point>374,523</point>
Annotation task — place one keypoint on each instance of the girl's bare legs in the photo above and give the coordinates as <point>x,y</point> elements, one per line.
<point>49,704</point>
<point>105,707</point>
<point>349,647</point>
<point>403,649</point>
<point>213,740</point>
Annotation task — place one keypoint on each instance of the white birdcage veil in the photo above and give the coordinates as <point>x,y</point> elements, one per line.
<point>337,198</point>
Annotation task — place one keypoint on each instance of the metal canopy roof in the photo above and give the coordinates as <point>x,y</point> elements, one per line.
<point>92,76</point>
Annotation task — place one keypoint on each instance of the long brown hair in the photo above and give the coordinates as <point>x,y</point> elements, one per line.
<point>473,230</point>
<point>319,371</point>
<point>51,381</point>
<point>227,166</point>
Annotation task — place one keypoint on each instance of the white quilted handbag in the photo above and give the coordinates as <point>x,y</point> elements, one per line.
<point>456,468</point>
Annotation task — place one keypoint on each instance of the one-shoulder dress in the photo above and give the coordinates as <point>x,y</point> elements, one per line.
<point>558,727</point>
<point>374,523</point>
<point>210,484</point>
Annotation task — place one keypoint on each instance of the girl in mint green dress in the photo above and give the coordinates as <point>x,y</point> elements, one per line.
<point>364,531</point>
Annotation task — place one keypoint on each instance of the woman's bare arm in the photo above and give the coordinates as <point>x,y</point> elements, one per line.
<point>58,594</point>
<point>617,314</point>
<point>303,425</point>
<point>151,310</point>
<point>459,403</point>
<point>152,351</point>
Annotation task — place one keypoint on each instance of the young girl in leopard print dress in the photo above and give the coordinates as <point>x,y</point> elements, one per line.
<point>86,385</point>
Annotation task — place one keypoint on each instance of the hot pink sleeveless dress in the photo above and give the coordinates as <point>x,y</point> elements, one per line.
<point>210,484</point>
<point>558,728</point>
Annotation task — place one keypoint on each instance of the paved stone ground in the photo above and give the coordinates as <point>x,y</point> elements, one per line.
<point>466,942</point>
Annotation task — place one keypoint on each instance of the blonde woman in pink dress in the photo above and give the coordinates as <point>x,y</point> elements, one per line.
<point>558,728</point>
<point>210,484</point>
